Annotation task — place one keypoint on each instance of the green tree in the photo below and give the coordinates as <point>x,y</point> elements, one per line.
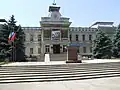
<point>5,47</point>
<point>116,42</point>
<point>18,44</point>
<point>12,49</point>
<point>102,47</point>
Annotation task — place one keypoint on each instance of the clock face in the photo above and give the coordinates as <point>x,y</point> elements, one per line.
<point>55,15</point>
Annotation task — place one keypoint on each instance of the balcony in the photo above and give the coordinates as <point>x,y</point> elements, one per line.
<point>80,41</point>
<point>64,38</point>
<point>56,40</point>
<point>55,22</point>
<point>47,38</point>
<point>48,19</point>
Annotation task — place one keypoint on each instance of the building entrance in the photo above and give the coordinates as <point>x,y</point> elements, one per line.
<point>56,48</point>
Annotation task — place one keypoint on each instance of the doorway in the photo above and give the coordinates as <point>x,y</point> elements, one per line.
<point>47,48</point>
<point>56,48</point>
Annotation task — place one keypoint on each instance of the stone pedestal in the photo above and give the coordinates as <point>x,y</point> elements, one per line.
<point>72,56</point>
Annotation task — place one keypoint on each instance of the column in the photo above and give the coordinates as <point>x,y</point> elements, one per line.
<point>60,34</point>
<point>42,41</point>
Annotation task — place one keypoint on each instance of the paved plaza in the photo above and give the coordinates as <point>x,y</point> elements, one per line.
<point>92,84</point>
<point>60,62</point>
<point>92,75</point>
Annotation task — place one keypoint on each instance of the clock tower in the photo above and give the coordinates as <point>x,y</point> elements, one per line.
<point>55,30</point>
<point>54,12</point>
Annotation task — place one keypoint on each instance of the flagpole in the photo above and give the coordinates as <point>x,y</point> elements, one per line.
<point>11,39</point>
<point>13,46</point>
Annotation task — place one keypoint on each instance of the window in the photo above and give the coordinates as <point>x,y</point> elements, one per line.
<point>84,49</point>
<point>47,33</point>
<point>64,33</point>
<point>31,37</point>
<point>90,49</point>
<point>83,37</point>
<point>76,37</point>
<point>90,37</point>
<point>39,37</point>
<point>70,37</point>
<point>39,50</point>
<point>47,48</point>
<point>31,50</point>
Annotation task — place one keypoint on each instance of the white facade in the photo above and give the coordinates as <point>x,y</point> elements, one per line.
<point>81,37</point>
<point>85,39</point>
<point>32,41</point>
<point>34,32</point>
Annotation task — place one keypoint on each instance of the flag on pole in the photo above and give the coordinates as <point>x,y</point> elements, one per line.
<point>12,36</point>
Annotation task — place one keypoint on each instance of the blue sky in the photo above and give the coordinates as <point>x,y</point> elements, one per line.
<point>80,12</point>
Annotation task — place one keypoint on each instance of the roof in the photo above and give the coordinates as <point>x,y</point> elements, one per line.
<point>54,8</point>
<point>102,23</point>
<point>2,20</point>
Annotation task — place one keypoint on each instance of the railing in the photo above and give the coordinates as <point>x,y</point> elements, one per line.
<point>64,38</point>
<point>57,39</point>
<point>47,38</point>
<point>49,19</point>
<point>85,41</point>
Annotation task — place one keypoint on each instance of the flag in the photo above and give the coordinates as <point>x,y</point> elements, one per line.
<point>12,36</point>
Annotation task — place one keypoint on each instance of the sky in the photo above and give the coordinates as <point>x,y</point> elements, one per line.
<point>81,12</point>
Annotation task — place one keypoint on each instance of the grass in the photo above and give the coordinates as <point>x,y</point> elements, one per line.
<point>2,62</point>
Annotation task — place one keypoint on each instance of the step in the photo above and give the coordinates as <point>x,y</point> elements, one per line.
<point>60,79</point>
<point>60,76</point>
<point>50,74</point>
<point>63,66</point>
<point>55,71</point>
<point>67,65</point>
<point>59,67</point>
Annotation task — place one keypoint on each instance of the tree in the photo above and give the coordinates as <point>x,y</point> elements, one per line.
<point>18,53</point>
<point>13,49</point>
<point>5,47</point>
<point>102,47</point>
<point>116,42</point>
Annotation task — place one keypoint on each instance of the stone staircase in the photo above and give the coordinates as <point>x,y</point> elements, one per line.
<point>45,73</point>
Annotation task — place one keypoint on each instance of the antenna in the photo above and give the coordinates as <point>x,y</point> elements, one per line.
<point>54,2</point>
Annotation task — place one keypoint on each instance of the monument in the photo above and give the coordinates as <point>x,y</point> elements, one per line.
<point>72,56</point>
